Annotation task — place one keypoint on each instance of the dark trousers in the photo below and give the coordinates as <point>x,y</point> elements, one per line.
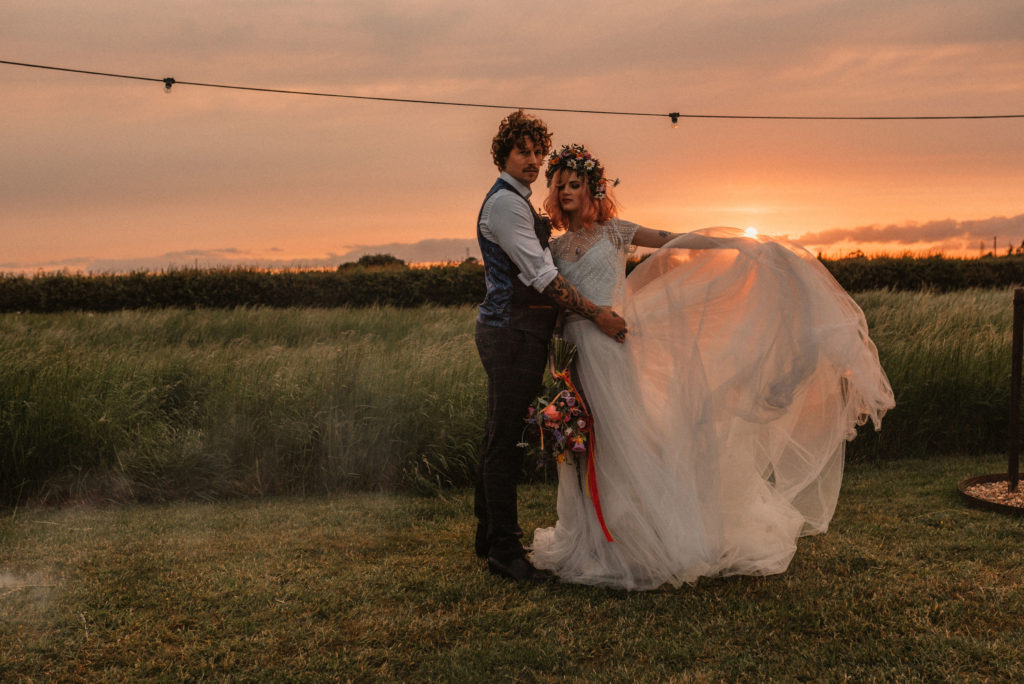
<point>514,361</point>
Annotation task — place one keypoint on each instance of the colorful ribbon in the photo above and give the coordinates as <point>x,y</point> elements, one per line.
<point>565,377</point>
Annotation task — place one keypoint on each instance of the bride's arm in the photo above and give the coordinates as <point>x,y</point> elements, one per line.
<point>648,237</point>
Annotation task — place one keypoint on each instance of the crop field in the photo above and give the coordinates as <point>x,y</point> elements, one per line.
<point>205,404</point>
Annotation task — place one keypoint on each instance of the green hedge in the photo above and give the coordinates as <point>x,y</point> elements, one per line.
<point>231,287</point>
<point>400,286</point>
<point>936,273</point>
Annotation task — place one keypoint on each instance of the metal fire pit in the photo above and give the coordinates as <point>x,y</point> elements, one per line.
<point>985,503</point>
<point>1012,475</point>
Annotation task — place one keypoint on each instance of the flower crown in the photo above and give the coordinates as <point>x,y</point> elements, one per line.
<point>576,158</point>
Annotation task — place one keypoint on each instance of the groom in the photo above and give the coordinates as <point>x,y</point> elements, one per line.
<point>517,316</point>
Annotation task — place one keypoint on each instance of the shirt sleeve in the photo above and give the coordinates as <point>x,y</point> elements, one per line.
<point>508,221</point>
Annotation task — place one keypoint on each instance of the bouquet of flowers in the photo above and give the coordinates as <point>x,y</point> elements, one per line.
<point>557,422</point>
<point>562,426</point>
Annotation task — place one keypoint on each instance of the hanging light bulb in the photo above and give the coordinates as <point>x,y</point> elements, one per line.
<point>168,82</point>
<point>675,119</point>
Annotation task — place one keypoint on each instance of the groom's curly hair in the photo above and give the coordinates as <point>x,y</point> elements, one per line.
<point>513,131</point>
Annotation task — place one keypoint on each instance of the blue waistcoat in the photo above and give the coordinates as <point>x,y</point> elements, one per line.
<point>508,302</point>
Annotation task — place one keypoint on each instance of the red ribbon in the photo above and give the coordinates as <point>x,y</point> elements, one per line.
<point>565,377</point>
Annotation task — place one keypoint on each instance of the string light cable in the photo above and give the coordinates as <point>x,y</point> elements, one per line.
<point>168,82</point>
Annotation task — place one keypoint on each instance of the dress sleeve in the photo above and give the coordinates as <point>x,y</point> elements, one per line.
<point>621,234</point>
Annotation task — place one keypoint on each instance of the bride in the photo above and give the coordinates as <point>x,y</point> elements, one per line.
<point>720,424</point>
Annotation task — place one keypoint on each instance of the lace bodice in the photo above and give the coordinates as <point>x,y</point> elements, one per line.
<point>594,261</point>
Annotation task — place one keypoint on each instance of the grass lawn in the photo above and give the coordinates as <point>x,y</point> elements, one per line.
<point>908,584</point>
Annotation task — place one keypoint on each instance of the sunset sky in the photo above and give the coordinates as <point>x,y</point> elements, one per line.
<point>108,174</point>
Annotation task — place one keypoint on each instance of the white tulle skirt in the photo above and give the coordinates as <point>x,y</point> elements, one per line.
<point>721,423</point>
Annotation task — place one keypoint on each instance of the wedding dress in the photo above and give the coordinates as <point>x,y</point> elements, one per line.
<point>720,424</point>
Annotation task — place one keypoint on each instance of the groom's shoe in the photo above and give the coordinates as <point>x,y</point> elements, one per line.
<point>481,547</point>
<point>518,569</point>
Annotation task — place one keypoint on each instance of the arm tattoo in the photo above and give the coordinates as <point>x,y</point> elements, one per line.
<point>564,294</point>
<point>664,233</point>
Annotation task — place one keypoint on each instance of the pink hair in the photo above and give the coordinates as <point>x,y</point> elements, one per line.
<point>593,210</point>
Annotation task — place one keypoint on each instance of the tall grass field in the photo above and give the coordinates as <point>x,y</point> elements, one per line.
<point>208,404</point>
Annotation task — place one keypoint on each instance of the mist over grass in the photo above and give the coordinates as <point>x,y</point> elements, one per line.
<point>907,585</point>
<point>208,404</point>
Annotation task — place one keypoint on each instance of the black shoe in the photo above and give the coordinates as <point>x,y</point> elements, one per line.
<point>518,569</point>
<point>480,545</point>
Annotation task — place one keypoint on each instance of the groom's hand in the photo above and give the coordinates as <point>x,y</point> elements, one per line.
<point>611,324</point>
